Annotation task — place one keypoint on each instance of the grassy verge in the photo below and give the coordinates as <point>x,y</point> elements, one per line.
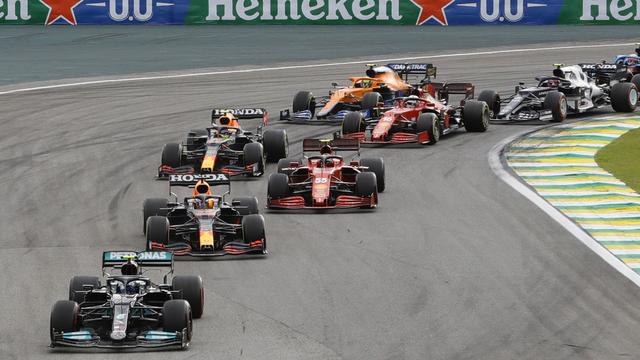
<point>621,158</point>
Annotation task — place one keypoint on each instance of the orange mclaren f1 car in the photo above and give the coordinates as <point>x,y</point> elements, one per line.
<point>225,147</point>
<point>326,181</point>
<point>381,84</point>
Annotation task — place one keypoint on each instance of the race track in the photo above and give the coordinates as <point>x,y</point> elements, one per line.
<point>454,264</point>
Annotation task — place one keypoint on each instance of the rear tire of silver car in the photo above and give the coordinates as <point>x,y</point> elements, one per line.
<point>376,166</point>
<point>276,144</point>
<point>370,100</point>
<point>557,103</point>
<point>304,101</point>
<point>476,116</point>
<point>153,207</point>
<point>254,154</point>
<point>624,97</point>
<point>253,230</point>
<point>247,205</point>
<point>352,123</point>
<point>77,283</point>
<point>192,291</point>
<point>429,122</point>
<point>635,80</point>
<point>65,317</point>
<point>366,185</point>
<point>493,101</point>
<point>176,316</point>
<point>278,186</point>
<point>172,155</point>
<point>157,230</point>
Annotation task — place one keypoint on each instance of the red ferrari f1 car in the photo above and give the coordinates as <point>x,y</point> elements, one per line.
<point>326,181</point>
<point>420,119</point>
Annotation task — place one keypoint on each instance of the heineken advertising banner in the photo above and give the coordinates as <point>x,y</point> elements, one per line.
<point>388,12</point>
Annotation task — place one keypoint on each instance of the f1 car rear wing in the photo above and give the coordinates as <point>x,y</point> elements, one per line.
<point>145,259</point>
<point>427,70</point>
<point>334,144</point>
<point>190,180</point>
<point>241,113</point>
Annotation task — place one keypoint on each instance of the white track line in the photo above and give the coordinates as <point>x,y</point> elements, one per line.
<point>310,66</point>
<point>498,168</point>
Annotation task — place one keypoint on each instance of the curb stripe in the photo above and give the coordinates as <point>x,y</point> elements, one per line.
<point>559,164</point>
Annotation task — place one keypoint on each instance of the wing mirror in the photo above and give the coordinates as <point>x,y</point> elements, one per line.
<point>334,84</point>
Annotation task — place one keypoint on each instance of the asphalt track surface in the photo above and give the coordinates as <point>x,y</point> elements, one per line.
<point>454,264</point>
<point>38,53</point>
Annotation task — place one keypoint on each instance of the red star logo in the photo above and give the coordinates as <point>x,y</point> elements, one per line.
<point>61,9</point>
<point>432,9</point>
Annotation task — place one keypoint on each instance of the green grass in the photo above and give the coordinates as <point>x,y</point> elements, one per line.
<point>621,158</point>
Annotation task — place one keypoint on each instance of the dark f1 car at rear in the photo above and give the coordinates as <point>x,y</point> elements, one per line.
<point>204,224</point>
<point>326,181</point>
<point>225,147</point>
<point>128,310</point>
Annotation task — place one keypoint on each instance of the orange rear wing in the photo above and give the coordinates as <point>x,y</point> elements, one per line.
<point>241,113</point>
<point>335,144</point>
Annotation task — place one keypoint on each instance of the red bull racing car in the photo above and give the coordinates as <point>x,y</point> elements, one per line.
<point>225,147</point>
<point>204,224</point>
<point>326,180</point>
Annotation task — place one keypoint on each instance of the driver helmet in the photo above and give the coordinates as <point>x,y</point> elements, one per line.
<point>328,162</point>
<point>553,82</point>
<point>201,188</point>
<point>632,61</point>
<point>200,201</point>
<point>133,287</point>
<point>130,268</point>
<point>227,132</point>
<point>412,100</point>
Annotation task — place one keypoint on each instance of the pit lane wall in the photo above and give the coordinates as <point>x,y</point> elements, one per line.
<point>336,12</point>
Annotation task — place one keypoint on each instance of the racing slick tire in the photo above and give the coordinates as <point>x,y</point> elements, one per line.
<point>65,316</point>
<point>194,137</point>
<point>624,97</point>
<point>635,80</point>
<point>366,185</point>
<point>157,230</point>
<point>152,207</point>
<point>493,101</point>
<point>304,100</point>
<point>248,205</point>
<point>77,284</point>
<point>276,144</point>
<point>557,103</point>
<point>476,116</point>
<point>352,122</point>
<point>371,100</point>
<point>254,153</point>
<point>253,230</point>
<point>429,122</point>
<point>177,316</point>
<point>192,290</point>
<point>172,155</point>
<point>376,166</point>
<point>278,186</point>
